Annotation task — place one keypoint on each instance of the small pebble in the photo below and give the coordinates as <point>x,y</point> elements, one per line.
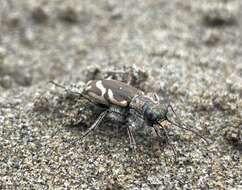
<point>218,15</point>
<point>211,38</point>
<point>69,14</point>
<point>39,15</point>
<point>13,19</point>
<point>6,81</point>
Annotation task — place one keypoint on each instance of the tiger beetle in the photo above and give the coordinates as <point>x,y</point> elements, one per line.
<point>124,103</point>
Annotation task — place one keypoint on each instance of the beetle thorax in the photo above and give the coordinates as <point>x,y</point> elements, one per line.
<point>151,110</point>
<point>139,103</point>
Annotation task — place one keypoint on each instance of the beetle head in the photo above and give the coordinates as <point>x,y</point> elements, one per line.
<point>154,112</point>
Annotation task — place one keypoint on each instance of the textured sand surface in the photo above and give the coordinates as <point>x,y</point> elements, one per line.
<point>191,50</point>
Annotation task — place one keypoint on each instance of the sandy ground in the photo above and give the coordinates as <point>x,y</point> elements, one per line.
<point>191,50</point>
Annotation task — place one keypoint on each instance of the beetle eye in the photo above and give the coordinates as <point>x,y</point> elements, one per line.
<point>151,116</point>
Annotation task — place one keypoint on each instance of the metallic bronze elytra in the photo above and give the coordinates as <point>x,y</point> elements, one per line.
<point>125,104</point>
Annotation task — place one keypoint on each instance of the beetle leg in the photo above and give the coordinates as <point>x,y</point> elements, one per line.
<point>96,123</point>
<point>130,78</point>
<point>70,91</point>
<point>131,138</point>
<point>160,138</point>
<point>167,140</point>
<point>156,97</point>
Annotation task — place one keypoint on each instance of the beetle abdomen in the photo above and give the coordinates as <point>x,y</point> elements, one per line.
<point>111,92</point>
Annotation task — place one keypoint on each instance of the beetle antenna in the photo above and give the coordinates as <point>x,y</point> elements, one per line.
<point>63,87</point>
<point>181,126</point>
<point>68,90</point>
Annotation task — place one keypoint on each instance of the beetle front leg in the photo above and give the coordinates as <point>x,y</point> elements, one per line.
<point>165,132</point>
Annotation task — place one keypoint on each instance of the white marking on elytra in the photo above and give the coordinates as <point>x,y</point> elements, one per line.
<point>100,86</point>
<point>88,86</point>
<point>99,99</point>
<point>109,78</point>
<point>89,82</point>
<point>114,101</point>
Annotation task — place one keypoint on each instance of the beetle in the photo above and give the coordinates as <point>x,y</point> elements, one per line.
<point>125,103</point>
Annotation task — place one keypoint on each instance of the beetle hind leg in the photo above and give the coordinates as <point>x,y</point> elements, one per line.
<point>95,124</point>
